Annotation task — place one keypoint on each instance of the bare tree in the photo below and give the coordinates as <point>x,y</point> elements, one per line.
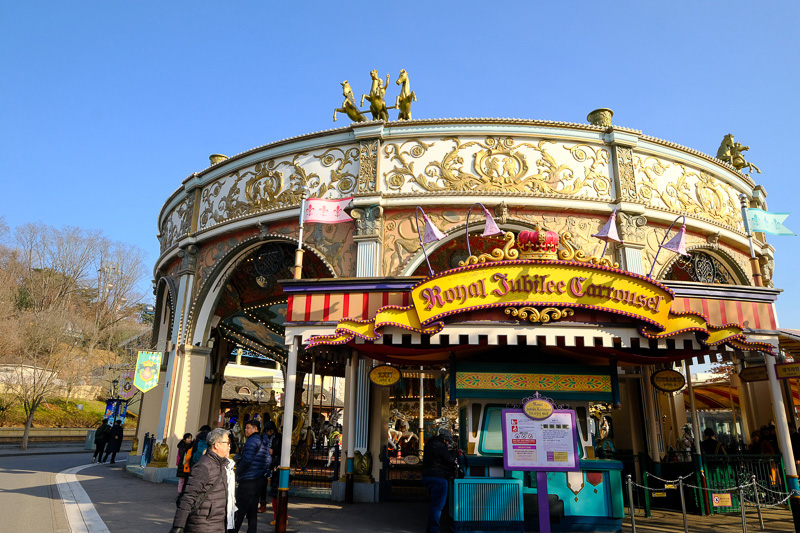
<point>59,297</point>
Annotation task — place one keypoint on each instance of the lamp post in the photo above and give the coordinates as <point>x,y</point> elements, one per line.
<point>677,244</point>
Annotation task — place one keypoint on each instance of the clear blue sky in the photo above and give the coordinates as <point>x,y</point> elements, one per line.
<point>107,106</point>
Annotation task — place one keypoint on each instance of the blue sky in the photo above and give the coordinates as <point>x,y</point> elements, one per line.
<point>107,106</point>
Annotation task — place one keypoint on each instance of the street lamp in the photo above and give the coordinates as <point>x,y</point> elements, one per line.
<point>114,389</point>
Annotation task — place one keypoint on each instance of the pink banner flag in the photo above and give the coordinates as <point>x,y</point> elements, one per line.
<point>126,389</point>
<point>326,211</point>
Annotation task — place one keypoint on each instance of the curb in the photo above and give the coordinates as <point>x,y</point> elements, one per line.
<point>49,452</point>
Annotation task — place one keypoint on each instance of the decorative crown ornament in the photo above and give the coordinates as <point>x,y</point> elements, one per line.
<point>538,244</point>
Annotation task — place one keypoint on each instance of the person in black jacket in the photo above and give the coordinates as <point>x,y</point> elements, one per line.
<point>275,440</point>
<point>206,504</point>
<point>101,435</point>
<point>439,464</point>
<point>114,442</point>
<point>250,473</point>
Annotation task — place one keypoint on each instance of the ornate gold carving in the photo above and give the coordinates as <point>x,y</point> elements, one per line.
<point>368,166</point>
<point>177,223</point>
<point>405,97</point>
<point>571,252</point>
<point>266,187</point>
<point>506,253</point>
<point>501,213</point>
<point>730,151</point>
<point>134,445</point>
<point>367,220</point>
<point>627,179</point>
<point>362,467</point>
<point>160,455</point>
<point>693,193</point>
<point>377,97</point>
<point>767,269</point>
<point>213,159</point>
<point>534,315</point>
<point>600,117</point>
<point>632,227</point>
<point>349,105</point>
<point>500,166</point>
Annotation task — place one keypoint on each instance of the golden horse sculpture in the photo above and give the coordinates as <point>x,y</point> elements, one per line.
<point>405,98</point>
<point>349,105</point>
<point>730,151</point>
<point>376,97</point>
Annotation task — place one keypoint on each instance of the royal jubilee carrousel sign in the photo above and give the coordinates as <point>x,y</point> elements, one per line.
<point>543,277</point>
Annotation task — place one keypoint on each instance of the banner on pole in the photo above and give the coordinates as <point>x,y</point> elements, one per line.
<point>126,390</point>
<point>326,211</point>
<point>772,223</point>
<point>148,365</point>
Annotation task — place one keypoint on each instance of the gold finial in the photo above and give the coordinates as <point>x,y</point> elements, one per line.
<point>217,158</point>
<point>600,117</point>
<point>730,151</point>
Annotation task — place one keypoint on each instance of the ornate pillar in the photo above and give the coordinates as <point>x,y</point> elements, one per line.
<point>784,443</point>
<point>290,387</point>
<point>172,391</point>
<point>628,202</point>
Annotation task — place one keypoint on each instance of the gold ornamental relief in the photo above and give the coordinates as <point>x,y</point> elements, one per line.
<point>271,184</point>
<point>694,193</point>
<point>539,316</point>
<point>499,164</point>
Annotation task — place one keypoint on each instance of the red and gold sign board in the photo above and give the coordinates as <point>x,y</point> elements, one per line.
<point>384,375</point>
<point>519,285</point>
<point>668,380</point>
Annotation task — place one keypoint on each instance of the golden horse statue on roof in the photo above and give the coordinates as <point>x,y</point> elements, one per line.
<point>730,151</point>
<point>349,105</point>
<point>377,97</point>
<point>406,96</point>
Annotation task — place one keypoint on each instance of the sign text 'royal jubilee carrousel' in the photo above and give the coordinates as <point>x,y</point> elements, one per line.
<point>531,278</point>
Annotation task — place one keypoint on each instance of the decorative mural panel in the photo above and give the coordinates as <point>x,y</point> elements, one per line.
<point>685,190</point>
<point>540,167</point>
<point>401,243</point>
<point>332,241</point>
<point>501,381</point>
<point>214,253</point>
<point>177,223</point>
<point>277,183</point>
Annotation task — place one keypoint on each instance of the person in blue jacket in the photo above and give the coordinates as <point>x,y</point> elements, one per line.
<point>250,471</point>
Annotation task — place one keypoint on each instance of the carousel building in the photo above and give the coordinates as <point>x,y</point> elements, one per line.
<point>545,270</point>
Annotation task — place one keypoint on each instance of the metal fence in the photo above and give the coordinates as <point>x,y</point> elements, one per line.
<point>314,466</point>
<point>401,476</point>
<point>726,471</point>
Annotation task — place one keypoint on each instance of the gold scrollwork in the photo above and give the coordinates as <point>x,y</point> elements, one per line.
<point>539,316</point>
<point>695,193</point>
<point>508,252</point>
<point>500,165</point>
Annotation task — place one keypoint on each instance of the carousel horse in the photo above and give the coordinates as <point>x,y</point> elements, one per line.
<point>403,104</point>
<point>377,102</point>
<point>349,105</point>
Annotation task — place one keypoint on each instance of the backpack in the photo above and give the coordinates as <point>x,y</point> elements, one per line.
<point>185,465</point>
<point>199,450</point>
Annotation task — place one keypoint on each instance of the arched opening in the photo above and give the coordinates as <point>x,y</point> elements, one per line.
<point>704,265</point>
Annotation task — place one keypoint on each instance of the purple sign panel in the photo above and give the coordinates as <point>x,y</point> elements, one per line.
<point>548,445</point>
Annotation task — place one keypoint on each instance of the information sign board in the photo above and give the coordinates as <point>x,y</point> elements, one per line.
<point>548,445</point>
<point>722,499</point>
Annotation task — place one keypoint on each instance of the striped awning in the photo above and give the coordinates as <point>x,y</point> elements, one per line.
<point>718,395</point>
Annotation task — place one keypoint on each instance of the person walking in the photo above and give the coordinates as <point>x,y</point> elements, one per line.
<point>207,504</point>
<point>439,465</point>
<point>276,441</point>
<point>200,444</point>
<point>101,436</point>
<point>184,461</point>
<point>250,473</point>
<point>266,440</point>
<point>114,442</point>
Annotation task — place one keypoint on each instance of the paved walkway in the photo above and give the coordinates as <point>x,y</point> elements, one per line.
<point>106,498</point>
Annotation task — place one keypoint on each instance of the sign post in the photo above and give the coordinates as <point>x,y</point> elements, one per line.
<point>542,439</point>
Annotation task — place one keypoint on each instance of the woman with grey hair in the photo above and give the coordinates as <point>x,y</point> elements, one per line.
<point>207,503</point>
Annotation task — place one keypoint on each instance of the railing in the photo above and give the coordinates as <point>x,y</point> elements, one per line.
<point>314,467</point>
<point>401,476</point>
<point>735,470</point>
